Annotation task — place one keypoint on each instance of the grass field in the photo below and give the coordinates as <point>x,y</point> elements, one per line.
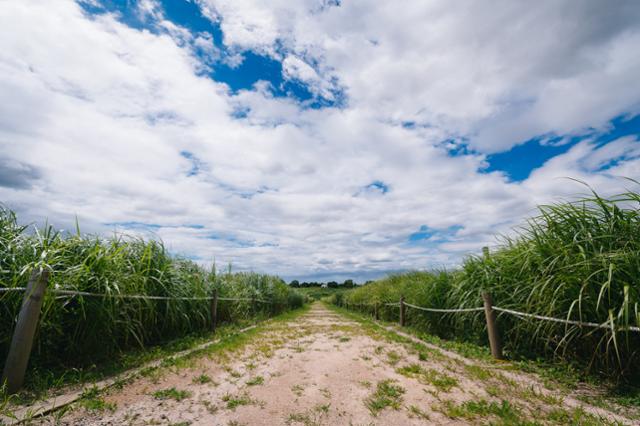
<point>575,260</point>
<point>78,332</point>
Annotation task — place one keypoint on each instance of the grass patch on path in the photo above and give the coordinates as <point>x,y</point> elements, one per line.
<point>386,395</point>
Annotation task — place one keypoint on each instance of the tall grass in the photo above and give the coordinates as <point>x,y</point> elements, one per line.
<point>83,330</point>
<point>575,260</point>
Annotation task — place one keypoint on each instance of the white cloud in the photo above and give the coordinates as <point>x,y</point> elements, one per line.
<point>101,114</point>
<point>499,74</point>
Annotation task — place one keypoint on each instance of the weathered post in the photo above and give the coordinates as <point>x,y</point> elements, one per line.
<point>22,341</point>
<point>376,312</point>
<point>214,310</point>
<point>492,328</point>
<point>402,311</point>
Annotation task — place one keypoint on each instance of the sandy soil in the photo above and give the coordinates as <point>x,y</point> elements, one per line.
<point>325,369</point>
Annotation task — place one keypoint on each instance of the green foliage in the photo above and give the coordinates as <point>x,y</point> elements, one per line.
<point>575,260</point>
<point>80,331</point>
<point>172,393</point>
<point>318,293</point>
<point>234,401</point>
<point>258,380</point>
<point>438,379</point>
<point>92,401</point>
<point>506,412</point>
<point>202,379</point>
<point>386,395</point>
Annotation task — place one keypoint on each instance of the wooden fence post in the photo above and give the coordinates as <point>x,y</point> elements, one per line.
<point>492,328</point>
<point>376,312</point>
<point>402,311</point>
<point>22,341</point>
<point>214,310</point>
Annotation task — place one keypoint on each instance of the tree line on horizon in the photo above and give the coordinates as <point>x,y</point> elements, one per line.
<point>330,284</point>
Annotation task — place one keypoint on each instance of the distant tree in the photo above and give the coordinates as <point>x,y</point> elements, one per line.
<point>348,284</point>
<point>332,284</point>
<point>304,284</point>
<point>295,283</point>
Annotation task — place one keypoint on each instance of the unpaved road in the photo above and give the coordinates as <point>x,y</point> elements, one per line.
<point>323,368</point>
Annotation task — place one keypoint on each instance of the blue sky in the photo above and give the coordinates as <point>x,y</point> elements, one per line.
<point>314,139</point>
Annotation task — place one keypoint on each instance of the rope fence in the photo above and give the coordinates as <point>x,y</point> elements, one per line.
<point>134,296</point>
<point>447,311</point>
<point>490,316</point>
<point>29,316</point>
<point>565,321</point>
<point>506,311</point>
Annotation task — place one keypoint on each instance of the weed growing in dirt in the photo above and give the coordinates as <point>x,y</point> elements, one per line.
<point>478,372</point>
<point>325,392</point>
<point>202,379</point>
<point>311,417</point>
<point>258,380</point>
<point>234,401</point>
<point>386,395</point>
<point>297,389</point>
<point>92,401</point>
<point>576,416</point>
<point>172,393</point>
<point>393,357</point>
<point>415,411</point>
<point>470,410</point>
<point>441,381</point>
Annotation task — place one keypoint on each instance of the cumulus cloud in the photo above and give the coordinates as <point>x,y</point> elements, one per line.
<point>124,127</point>
<point>499,75</point>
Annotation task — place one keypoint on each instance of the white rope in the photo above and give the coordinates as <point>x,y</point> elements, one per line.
<point>124,296</point>
<point>444,310</point>
<point>521,314</point>
<point>7,289</point>
<point>131,296</point>
<point>563,321</point>
<point>243,299</point>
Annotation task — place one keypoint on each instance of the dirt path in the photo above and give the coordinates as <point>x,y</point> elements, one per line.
<point>325,369</point>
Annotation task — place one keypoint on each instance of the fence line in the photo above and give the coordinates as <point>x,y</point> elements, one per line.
<point>444,310</point>
<point>246,299</point>
<point>565,321</point>
<point>607,326</point>
<point>132,296</point>
<point>490,317</point>
<point>21,342</point>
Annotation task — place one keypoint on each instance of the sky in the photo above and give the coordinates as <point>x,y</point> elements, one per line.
<point>314,139</point>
